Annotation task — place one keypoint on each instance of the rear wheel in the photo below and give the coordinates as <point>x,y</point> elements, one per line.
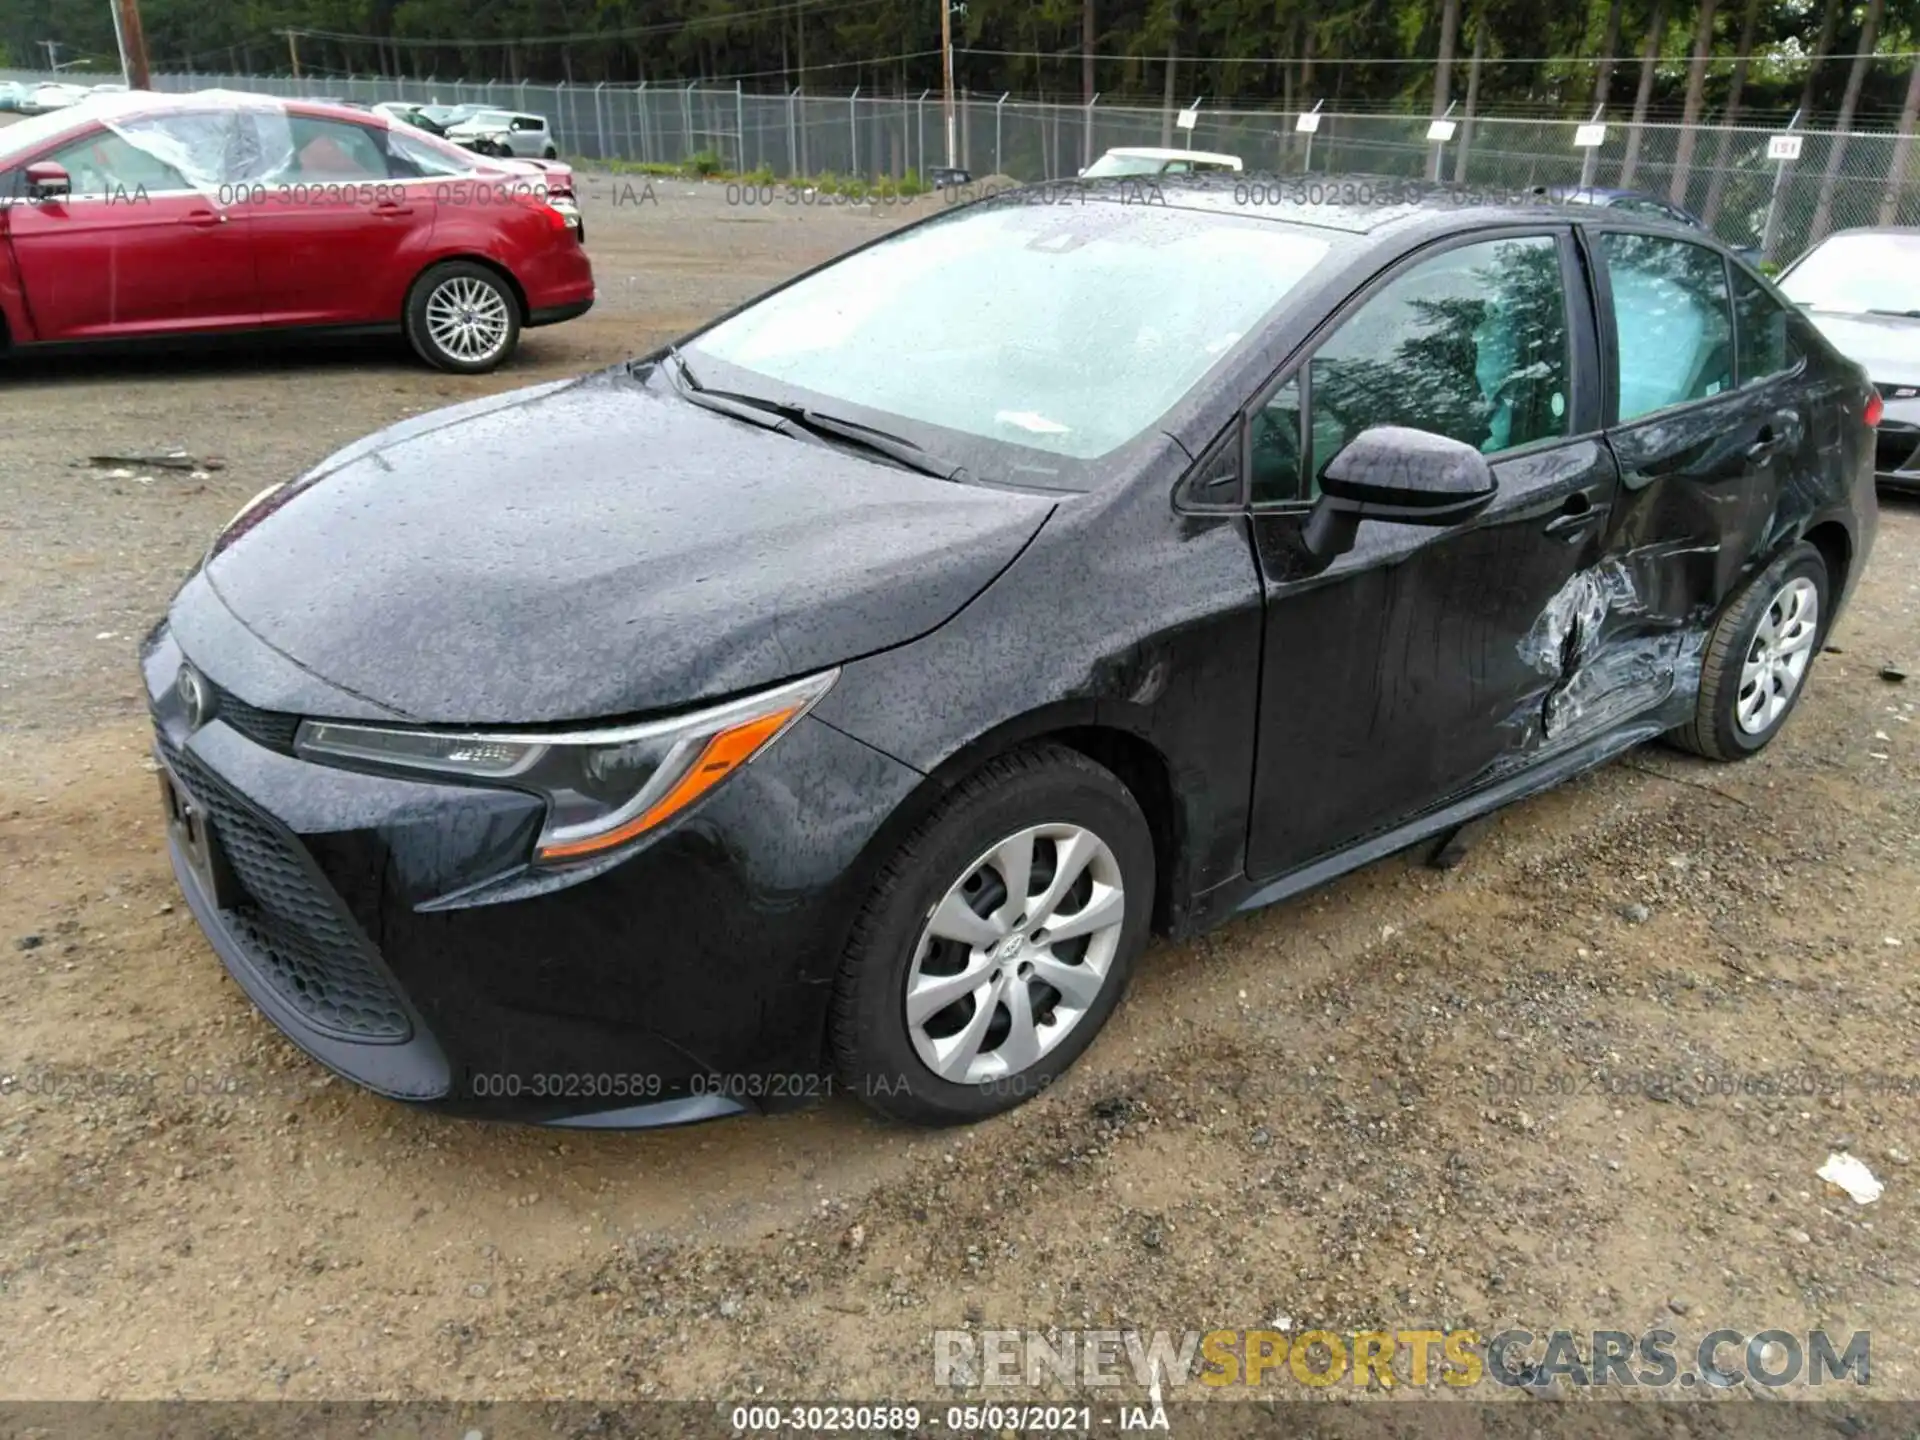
<point>997,942</point>
<point>462,317</point>
<point>1758,657</point>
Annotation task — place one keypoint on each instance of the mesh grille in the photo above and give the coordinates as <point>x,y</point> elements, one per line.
<point>294,929</point>
<point>271,728</point>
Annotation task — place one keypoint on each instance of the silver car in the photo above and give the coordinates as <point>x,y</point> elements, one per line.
<point>506,132</point>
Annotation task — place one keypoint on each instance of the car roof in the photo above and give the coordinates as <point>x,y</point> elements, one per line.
<point>1365,205</point>
<point>1161,152</point>
<point>123,104</point>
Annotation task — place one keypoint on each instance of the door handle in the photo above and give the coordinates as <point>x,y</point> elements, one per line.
<point>1578,514</point>
<point>203,219</point>
<point>1774,437</point>
<point>389,207</point>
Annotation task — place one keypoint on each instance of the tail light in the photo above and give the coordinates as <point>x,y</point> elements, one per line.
<point>538,203</point>
<point>1875,409</point>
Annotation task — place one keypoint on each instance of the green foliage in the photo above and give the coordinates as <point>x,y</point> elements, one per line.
<point>1252,51</point>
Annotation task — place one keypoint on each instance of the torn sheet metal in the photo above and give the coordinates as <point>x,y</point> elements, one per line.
<point>1601,644</point>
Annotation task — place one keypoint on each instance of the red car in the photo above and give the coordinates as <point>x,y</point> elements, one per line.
<point>139,215</point>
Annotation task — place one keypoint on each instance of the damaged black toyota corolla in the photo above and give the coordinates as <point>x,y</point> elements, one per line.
<point>837,699</point>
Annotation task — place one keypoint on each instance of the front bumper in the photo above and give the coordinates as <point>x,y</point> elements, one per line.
<point>687,981</point>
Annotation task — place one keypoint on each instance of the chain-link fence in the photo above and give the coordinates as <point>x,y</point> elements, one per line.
<point>1726,173</point>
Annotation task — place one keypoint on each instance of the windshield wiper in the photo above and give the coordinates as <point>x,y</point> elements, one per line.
<point>1900,314</point>
<point>776,415</point>
<point>692,391</point>
<point>894,447</point>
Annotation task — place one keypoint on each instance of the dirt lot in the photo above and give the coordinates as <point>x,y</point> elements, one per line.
<point>1461,1098</point>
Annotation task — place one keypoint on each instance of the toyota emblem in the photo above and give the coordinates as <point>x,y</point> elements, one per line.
<point>195,695</point>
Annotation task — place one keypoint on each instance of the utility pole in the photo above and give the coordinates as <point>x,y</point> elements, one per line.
<point>120,45</point>
<point>133,44</point>
<point>946,79</point>
<point>293,50</point>
<point>53,62</point>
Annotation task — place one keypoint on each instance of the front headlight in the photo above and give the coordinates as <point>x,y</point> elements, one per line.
<point>603,788</point>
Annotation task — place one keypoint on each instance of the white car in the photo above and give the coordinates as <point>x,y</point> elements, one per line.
<point>1154,160</point>
<point>52,95</point>
<point>506,132</point>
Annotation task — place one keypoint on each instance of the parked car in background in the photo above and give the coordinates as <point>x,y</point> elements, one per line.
<point>51,95</point>
<point>1636,202</point>
<point>12,93</point>
<point>221,213</point>
<point>1862,288</point>
<point>837,698</point>
<point>505,132</point>
<point>1152,160</point>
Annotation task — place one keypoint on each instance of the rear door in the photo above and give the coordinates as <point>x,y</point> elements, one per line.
<point>1423,664</point>
<point>1709,424</point>
<point>136,248</point>
<point>337,227</point>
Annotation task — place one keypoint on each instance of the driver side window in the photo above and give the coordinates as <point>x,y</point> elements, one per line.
<point>1472,344</point>
<point>106,165</point>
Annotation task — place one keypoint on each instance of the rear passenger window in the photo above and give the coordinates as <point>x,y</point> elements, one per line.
<point>328,150</point>
<point>1760,331</point>
<point>1672,319</point>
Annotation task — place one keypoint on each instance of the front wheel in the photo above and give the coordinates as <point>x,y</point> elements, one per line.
<point>1758,657</point>
<point>997,942</point>
<point>462,317</point>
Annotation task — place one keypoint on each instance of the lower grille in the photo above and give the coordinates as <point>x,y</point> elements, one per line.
<point>293,928</point>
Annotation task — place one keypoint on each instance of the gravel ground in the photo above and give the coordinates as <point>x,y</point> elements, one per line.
<point>1462,1098</point>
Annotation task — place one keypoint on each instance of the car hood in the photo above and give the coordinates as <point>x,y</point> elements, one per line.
<point>598,548</point>
<point>1888,346</point>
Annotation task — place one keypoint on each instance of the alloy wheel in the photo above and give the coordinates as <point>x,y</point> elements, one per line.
<point>1016,953</point>
<point>1778,657</point>
<point>468,319</point>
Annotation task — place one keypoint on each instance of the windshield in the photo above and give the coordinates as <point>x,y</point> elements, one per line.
<point>1111,164</point>
<point>494,119</point>
<point>1069,329</point>
<point>1857,273</point>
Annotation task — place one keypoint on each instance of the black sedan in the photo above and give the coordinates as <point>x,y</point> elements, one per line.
<point>838,699</point>
<point>1862,288</point>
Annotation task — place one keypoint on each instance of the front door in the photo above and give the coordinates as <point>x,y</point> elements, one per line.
<point>1423,664</point>
<point>137,248</point>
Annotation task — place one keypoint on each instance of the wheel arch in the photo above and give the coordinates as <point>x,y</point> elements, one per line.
<point>1835,544</point>
<point>1130,755</point>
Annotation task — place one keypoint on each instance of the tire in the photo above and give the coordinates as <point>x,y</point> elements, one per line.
<point>550,153</point>
<point>960,857</point>
<point>1768,624</point>
<point>460,286</point>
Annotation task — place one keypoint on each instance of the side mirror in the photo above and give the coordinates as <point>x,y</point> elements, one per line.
<point>1408,477</point>
<point>48,181</point>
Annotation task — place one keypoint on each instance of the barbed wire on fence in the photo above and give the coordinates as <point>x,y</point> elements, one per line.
<point>1730,176</point>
